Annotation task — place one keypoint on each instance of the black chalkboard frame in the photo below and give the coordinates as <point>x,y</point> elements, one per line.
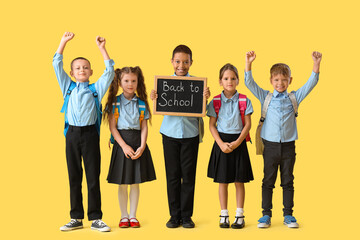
<point>186,114</point>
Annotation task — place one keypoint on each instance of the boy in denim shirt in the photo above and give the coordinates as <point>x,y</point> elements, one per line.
<point>279,133</point>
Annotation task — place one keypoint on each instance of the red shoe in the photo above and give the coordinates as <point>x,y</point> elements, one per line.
<point>124,223</point>
<point>134,224</point>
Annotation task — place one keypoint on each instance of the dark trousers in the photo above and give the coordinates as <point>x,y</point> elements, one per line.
<point>278,155</point>
<point>180,164</point>
<point>84,142</point>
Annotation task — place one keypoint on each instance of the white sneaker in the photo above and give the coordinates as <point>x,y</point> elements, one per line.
<point>290,221</point>
<point>264,222</point>
<point>99,225</point>
<point>72,225</point>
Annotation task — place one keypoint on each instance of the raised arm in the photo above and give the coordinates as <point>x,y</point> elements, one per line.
<point>100,41</point>
<point>65,38</point>
<point>316,56</point>
<point>249,58</point>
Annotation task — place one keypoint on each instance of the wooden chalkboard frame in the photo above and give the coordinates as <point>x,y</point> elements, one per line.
<point>182,78</point>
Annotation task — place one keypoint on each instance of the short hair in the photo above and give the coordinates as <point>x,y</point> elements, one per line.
<point>183,49</point>
<point>280,68</point>
<point>228,66</point>
<point>79,58</point>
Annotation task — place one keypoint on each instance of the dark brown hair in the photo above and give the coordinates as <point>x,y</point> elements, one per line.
<point>116,83</point>
<point>228,66</point>
<point>183,49</point>
<point>79,58</point>
<point>280,68</point>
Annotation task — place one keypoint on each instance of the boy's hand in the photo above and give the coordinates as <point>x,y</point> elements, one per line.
<point>153,95</point>
<point>250,57</point>
<point>207,93</point>
<point>67,37</point>
<point>316,56</point>
<point>100,41</point>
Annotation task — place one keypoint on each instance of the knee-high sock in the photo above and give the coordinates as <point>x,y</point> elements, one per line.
<point>123,197</point>
<point>134,199</point>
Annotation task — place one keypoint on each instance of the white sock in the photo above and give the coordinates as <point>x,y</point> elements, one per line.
<point>224,213</point>
<point>123,197</point>
<point>239,213</point>
<point>134,199</point>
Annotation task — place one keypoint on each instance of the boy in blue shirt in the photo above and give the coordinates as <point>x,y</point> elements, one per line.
<point>279,133</point>
<point>82,136</point>
<point>181,137</point>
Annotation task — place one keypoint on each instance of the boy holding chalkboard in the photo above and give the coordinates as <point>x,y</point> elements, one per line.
<point>181,137</point>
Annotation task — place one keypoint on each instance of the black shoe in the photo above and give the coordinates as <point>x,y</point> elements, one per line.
<point>174,222</point>
<point>72,225</point>
<point>236,224</point>
<point>187,222</point>
<point>226,223</point>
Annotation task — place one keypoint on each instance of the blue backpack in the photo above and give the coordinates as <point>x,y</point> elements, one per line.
<point>116,111</point>
<point>97,103</point>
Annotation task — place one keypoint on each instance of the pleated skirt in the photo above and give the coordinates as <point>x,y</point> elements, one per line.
<point>230,167</point>
<point>124,170</point>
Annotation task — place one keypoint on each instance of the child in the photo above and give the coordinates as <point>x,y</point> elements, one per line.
<point>82,131</point>
<point>279,133</point>
<point>181,143</point>
<point>229,160</point>
<point>131,161</point>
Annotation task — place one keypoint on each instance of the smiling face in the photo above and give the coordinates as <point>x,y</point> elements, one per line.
<point>128,83</point>
<point>181,63</point>
<point>81,70</point>
<point>280,82</point>
<point>229,81</point>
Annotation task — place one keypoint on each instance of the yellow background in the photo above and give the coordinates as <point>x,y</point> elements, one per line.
<point>34,183</point>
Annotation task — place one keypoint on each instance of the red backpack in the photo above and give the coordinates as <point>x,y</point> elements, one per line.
<point>242,108</point>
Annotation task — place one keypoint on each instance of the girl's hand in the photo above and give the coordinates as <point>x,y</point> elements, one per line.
<point>316,56</point>
<point>226,147</point>
<point>234,145</point>
<point>128,151</point>
<point>153,95</point>
<point>250,56</point>
<point>138,153</point>
<point>207,92</point>
<point>67,37</point>
<point>100,41</point>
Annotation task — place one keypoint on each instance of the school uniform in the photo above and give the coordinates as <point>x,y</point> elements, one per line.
<point>234,166</point>
<point>279,133</point>
<point>124,170</point>
<point>181,144</point>
<point>82,138</point>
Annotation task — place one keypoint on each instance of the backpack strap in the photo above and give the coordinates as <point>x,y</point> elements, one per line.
<point>294,103</point>
<point>142,110</point>
<point>265,106</point>
<point>217,104</point>
<point>98,107</point>
<point>116,112</point>
<point>242,108</point>
<point>65,105</point>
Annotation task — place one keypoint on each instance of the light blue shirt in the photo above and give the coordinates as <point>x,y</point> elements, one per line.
<point>81,108</point>
<point>129,114</point>
<point>229,119</point>
<point>180,126</point>
<point>280,122</point>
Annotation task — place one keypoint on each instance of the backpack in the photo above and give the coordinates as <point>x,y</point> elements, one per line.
<point>242,108</point>
<point>97,103</point>
<point>116,111</point>
<point>258,142</point>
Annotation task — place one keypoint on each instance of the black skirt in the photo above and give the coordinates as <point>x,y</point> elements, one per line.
<point>230,167</point>
<point>124,170</point>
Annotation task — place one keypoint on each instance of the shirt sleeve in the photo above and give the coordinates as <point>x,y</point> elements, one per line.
<point>249,107</point>
<point>302,92</point>
<point>210,110</point>
<point>106,78</point>
<point>146,114</point>
<point>63,79</point>
<point>258,92</point>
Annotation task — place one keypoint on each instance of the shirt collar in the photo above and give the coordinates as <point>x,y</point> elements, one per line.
<point>233,98</point>
<point>276,93</point>
<point>82,84</point>
<point>187,75</point>
<point>124,100</point>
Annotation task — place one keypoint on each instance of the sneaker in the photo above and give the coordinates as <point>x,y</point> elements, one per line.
<point>72,225</point>
<point>224,222</point>
<point>173,222</point>
<point>290,221</point>
<point>187,222</point>
<point>264,222</point>
<point>99,225</point>
<point>238,223</point>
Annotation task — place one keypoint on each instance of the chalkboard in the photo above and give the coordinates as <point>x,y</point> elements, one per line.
<point>180,96</point>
